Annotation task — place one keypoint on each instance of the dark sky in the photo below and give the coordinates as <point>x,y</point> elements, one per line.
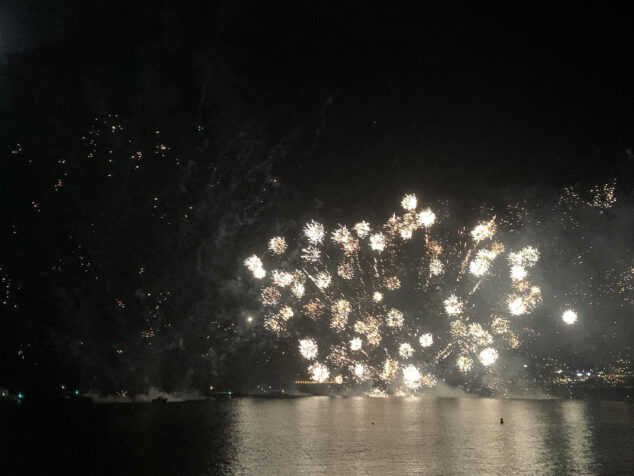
<point>507,96</point>
<point>337,108</point>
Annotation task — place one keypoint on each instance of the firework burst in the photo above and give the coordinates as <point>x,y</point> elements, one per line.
<point>364,294</point>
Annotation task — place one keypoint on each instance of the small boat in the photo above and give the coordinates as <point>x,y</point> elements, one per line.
<point>160,400</point>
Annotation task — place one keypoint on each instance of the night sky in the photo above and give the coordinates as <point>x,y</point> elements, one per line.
<point>149,147</point>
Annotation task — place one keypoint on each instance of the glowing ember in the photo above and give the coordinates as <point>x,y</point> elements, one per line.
<point>488,356</point>
<point>378,242</point>
<point>409,202</point>
<point>569,317</point>
<point>426,218</point>
<point>278,245</point>
<point>453,305</point>
<point>426,340</point>
<point>406,351</point>
<point>314,232</point>
<point>318,372</point>
<point>394,318</point>
<point>308,348</point>
<point>356,344</point>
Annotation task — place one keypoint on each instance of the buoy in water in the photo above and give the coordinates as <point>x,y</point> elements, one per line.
<point>501,421</point>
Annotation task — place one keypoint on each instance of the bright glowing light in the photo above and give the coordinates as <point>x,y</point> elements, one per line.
<point>486,255</point>
<point>298,289</point>
<point>340,310</point>
<point>377,242</point>
<point>483,231</point>
<point>518,273</point>
<point>412,377</point>
<point>278,245</point>
<point>389,370</point>
<point>318,372</point>
<point>406,233</point>
<point>517,306</point>
<point>362,228</point>
<point>500,325</point>
<point>409,202</point>
<point>393,225</point>
<point>308,348</point>
<point>254,264</point>
<point>338,322</point>
<point>286,313</point>
<point>377,393</point>
<point>526,257</point>
<point>374,338</point>
<point>426,340</point>
<point>281,278</point>
<point>436,267</point>
<point>405,350</point>
<point>394,318</point>
<point>479,336</point>
<point>364,282</point>
<point>314,232</point>
<point>481,264</point>
<point>479,267</point>
<point>488,356</point>
<point>341,235</point>
<point>322,280</point>
<point>426,218</point>
<point>311,254</point>
<point>569,317</point>
<point>453,305</point>
<point>356,343</point>
<point>341,307</point>
<point>314,309</point>
<point>464,363</point>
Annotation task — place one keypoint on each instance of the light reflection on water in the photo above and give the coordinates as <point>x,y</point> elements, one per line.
<point>321,435</point>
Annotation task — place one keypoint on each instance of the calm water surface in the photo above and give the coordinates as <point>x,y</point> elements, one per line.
<point>321,435</point>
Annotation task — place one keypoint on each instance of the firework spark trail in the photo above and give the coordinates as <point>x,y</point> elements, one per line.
<point>392,304</point>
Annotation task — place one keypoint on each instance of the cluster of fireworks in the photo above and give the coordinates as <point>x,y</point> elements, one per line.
<point>400,304</point>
